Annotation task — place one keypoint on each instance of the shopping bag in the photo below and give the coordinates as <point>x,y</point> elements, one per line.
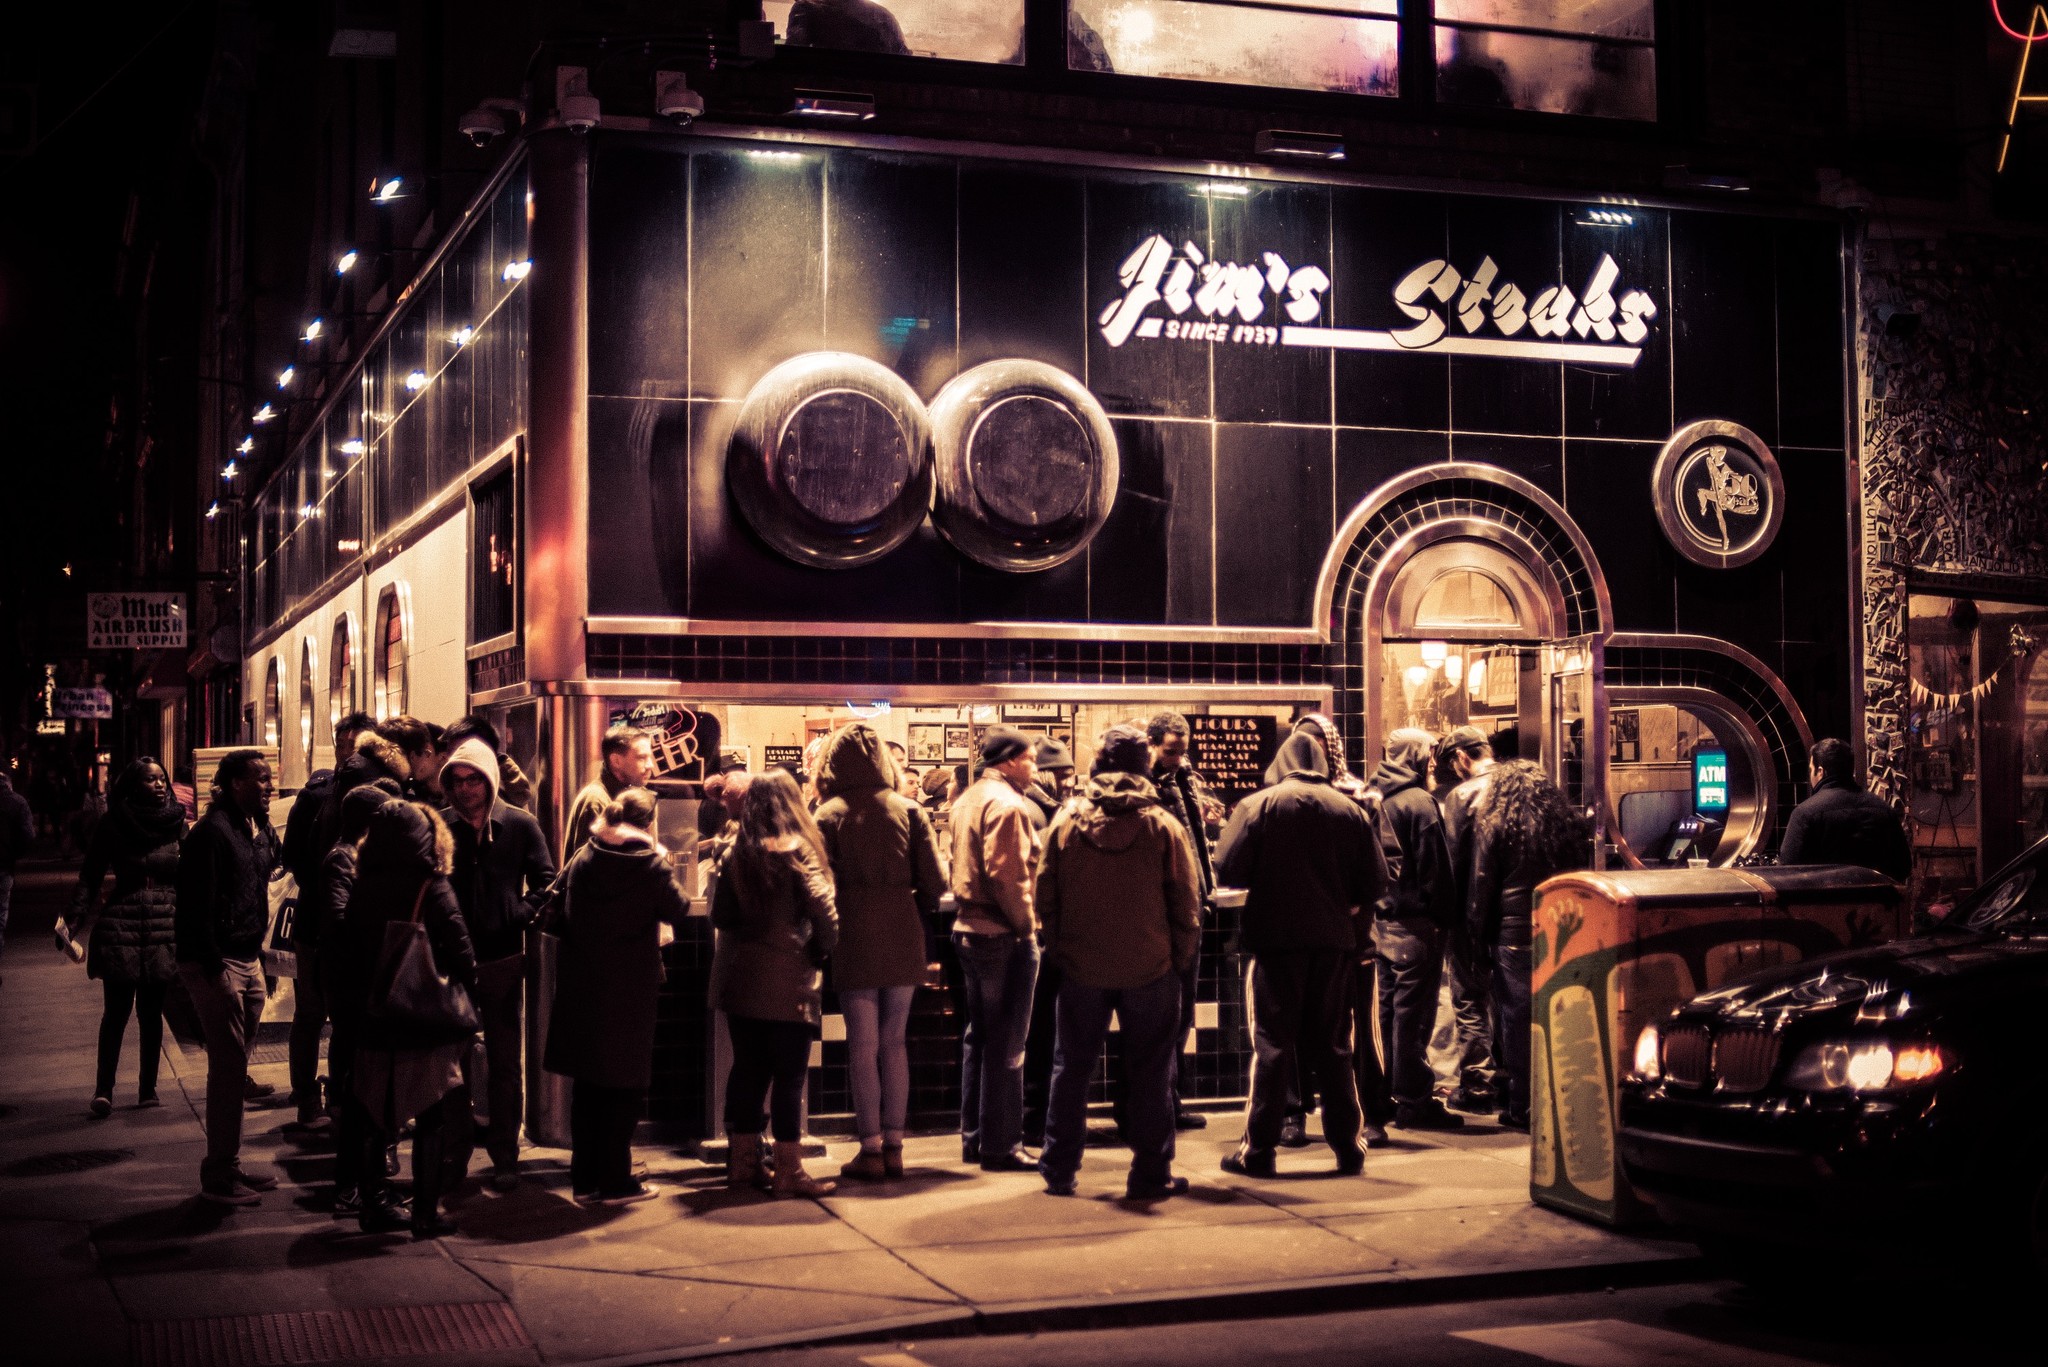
<point>410,994</point>
<point>280,953</point>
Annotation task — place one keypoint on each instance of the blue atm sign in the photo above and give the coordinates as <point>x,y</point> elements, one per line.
<point>1710,782</point>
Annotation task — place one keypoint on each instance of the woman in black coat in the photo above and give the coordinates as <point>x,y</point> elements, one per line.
<point>401,1076</point>
<point>621,895</point>
<point>134,941</point>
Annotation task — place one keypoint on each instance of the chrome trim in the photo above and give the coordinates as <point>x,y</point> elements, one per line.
<point>503,641</point>
<point>345,624</point>
<point>1713,645</point>
<point>401,592</point>
<point>1049,631</point>
<point>1666,505</point>
<point>554,487</point>
<point>1761,812</point>
<point>1324,601</point>
<point>933,693</point>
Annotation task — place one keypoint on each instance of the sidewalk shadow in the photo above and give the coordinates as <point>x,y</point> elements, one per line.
<point>530,1214</point>
<point>156,1236</point>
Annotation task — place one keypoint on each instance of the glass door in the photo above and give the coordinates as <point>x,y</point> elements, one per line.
<point>1575,731</point>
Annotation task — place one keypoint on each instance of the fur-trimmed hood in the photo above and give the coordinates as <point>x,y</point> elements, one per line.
<point>384,755</point>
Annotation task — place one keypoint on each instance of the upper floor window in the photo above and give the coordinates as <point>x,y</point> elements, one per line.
<point>963,30</point>
<point>392,652</point>
<point>1594,57</point>
<point>341,674</point>
<point>1350,46</point>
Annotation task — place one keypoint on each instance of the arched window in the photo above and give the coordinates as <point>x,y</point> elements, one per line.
<point>306,703</point>
<point>273,692</point>
<point>341,672</point>
<point>393,651</point>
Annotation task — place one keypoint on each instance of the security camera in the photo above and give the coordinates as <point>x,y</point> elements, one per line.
<point>481,126</point>
<point>674,100</point>
<point>579,112</point>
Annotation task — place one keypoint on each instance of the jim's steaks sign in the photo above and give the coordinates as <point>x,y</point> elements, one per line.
<point>1183,296</point>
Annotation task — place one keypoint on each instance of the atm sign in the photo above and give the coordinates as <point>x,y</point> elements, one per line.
<point>1710,782</point>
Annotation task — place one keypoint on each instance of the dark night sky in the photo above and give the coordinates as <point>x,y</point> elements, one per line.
<point>117,87</point>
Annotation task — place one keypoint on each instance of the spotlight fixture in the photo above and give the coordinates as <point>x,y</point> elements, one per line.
<point>517,270</point>
<point>1605,218</point>
<point>387,189</point>
<point>347,262</point>
<point>263,414</point>
<point>285,377</point>
<point>1290,142</point>
<point>247,445</point>
<point>312,332</point>
<point>416,381</point>
<point>850,105</point>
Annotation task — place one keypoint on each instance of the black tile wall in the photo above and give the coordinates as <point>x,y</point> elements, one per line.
<point>1724,338</point>
<point>1607,492</point>
<point>757,265</point>
<point>640,305</point>
<point>1380,236</point>
<point>1158,378</point>
<point>1493,394</point>
<point>1809,315</point>
<point>641,444</point>
<point>1540,460</point>
<point>1368,458</point>
<point>1273,383</point>
<point>1277,483</point>
<point>1616,401</point>
<point>1023,267</point>
<point>889,243</point>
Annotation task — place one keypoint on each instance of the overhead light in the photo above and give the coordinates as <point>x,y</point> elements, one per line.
<point>1433,653</point>
<point>284,377</point>
<point>305,510</point>
<point>1224,189</point>
<point>263,414</point>
<point>832,104</point>
<point>312,331</point>
<point>1605,218</point>
<point>353,447</point>
<point>247,445</point>
<point>416,381</point>
<point>517,270</point>
<point>462,335</point>
<point>773,154</point>
<point>1289,142</point>
<point>347,262</point>
<point>212,511</point>
<point>228,471</point>
<point>387,189</point>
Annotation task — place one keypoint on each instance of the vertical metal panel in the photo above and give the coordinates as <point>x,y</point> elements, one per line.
<point>557,487</point>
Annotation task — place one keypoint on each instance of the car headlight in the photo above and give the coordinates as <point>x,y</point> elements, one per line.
<point>1872,1065</point>
<point>1649,1063</point>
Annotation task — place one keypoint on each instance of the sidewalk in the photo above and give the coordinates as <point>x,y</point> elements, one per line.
<point>107,1257</point>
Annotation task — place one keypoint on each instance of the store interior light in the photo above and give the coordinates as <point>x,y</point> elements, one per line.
<point>517,270</point>
<point>1605,218</point>
<point>850,105</point>
<point>1475,678</point>
<point>263,414</point>
<point>1433,653</point>
<point>347,262</point>
<point>1415,676</point>
<point>386,189</point>
<point>285,377</point>
<point>462,336</point>
<point>1225,189</point>
<point>1290,142</point>
<point>773,154</point>
<point>416,381</point>
<point>312,332</point>
<point>1454,669</point>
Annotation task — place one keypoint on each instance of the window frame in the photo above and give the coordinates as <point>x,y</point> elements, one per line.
<point>394,603</point>
<point>309,662</point>
<point>345,651</point>
<point>269,724</point>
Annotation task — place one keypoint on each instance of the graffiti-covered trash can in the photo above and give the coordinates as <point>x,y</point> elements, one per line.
<point>1612,952</point>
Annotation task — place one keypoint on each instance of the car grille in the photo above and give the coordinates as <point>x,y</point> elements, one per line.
<point>1745,1059</point>
<point>1686,1053</point>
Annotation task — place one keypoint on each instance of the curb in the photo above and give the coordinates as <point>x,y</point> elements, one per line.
<point>1317,1296</point>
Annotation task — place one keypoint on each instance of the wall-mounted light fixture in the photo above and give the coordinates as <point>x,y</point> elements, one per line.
<point>1605,218</point>
<point>516,270</point>
<point>247,444</point>
<point>849,105</point>
<point>347,261</point>
<point>312,332</point>
<point>286,376</point>
<point>263,414</point>
<point>1291,142</point>
<point>387,189</point>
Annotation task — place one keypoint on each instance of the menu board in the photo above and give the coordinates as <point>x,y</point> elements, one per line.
<point>1231,752</point>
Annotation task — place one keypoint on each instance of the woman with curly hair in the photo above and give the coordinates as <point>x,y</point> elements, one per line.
<point>1524,831</point>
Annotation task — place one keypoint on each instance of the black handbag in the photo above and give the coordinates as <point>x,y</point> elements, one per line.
<point>409,995</point>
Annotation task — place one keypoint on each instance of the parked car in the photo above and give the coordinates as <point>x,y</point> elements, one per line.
<point>1883,1102</point>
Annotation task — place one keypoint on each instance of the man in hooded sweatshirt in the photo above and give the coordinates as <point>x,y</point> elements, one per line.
<point>1307,859</point>
<point>503,875</point>
<point>1408,930</point>
<point>1119,908</point>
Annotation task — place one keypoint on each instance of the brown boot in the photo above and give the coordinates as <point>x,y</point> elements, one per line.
<point>744,1169</point>
<point>892,1159</point>
<point>865,1166</point>
<point>790,1177</point>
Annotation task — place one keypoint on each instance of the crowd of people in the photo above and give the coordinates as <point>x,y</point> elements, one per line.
<point>1077,901</point>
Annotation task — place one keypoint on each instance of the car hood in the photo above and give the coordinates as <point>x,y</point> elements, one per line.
<point>1878,982</point>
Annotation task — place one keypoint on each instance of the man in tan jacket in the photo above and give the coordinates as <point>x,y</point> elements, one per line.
<point>995,935</point>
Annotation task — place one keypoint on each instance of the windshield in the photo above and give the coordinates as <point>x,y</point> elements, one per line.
<point>2014,903</point>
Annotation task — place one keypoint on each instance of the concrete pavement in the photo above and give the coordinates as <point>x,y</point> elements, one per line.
<point>107,1257</point>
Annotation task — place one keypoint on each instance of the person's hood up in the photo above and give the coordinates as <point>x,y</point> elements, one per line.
<point>1113,799</point>
<point>1301,756</point>
<point>474,754</point>
<point>384,754</point>
<point>854,758</point>
<point>1391,778</point>
<point>361,804</point>
<point>1325,730</point>
<point>407,837</point>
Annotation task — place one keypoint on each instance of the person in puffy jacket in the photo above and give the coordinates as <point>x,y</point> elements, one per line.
<point>1309,863</point>
<point>776,921</point>
<point>621,894</point>
<point>1119,908</point>
<point>400,1073</point>
<point>886,876</point>
<point>326,912</point>
<point>134,932</point>
<point>1523,831</point>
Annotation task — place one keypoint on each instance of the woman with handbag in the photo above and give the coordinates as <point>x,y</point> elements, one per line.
<point>134,950</point>
<point>776,925</point>
<point>410,952</point>
<point>621,896</point>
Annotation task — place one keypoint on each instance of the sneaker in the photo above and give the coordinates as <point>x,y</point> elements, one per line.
<point>1374,1136</point>
<point>1007,1162</point>
<point>229,1191</point>
<point>1156,1191</point>
<point>101,1107</point>
<point>1294,1133</point>
<point>348,1203</point>
<point>256,1181</point>
<point>435,1226</point>
<point>1190,1120</point>
<point>1249,1163</point>
<point>647,1191</point>
<point>1427,1115</point>
<point>583,1198</point>
<point>384,1214</point>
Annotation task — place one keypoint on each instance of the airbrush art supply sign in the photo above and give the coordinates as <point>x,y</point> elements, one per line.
<point>135,621</point>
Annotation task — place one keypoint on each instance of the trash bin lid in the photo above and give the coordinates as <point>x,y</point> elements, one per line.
<point>1662,887</point>
<point>1819,884</point>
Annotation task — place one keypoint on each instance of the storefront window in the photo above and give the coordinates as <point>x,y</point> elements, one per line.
<point>1352,46</point>
<point>963,30</point>
<point>392,653</point>
<point>1978,731</point>
<point>493,559</point>
<point>341,672</point>
<point>1597,58</point>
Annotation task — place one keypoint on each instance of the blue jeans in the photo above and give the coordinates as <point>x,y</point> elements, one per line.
<point>1411,963</point>
<point>1150,1017</point>
<point>998,972</point>
<point>1511,969</point>
<point>878,1058</point>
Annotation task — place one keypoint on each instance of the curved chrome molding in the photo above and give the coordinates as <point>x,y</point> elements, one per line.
<point>1714,645</point>
<point>346,627</point>
<point>401,591</point>
<point>1721,708</point>
<point>1325,598</point>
